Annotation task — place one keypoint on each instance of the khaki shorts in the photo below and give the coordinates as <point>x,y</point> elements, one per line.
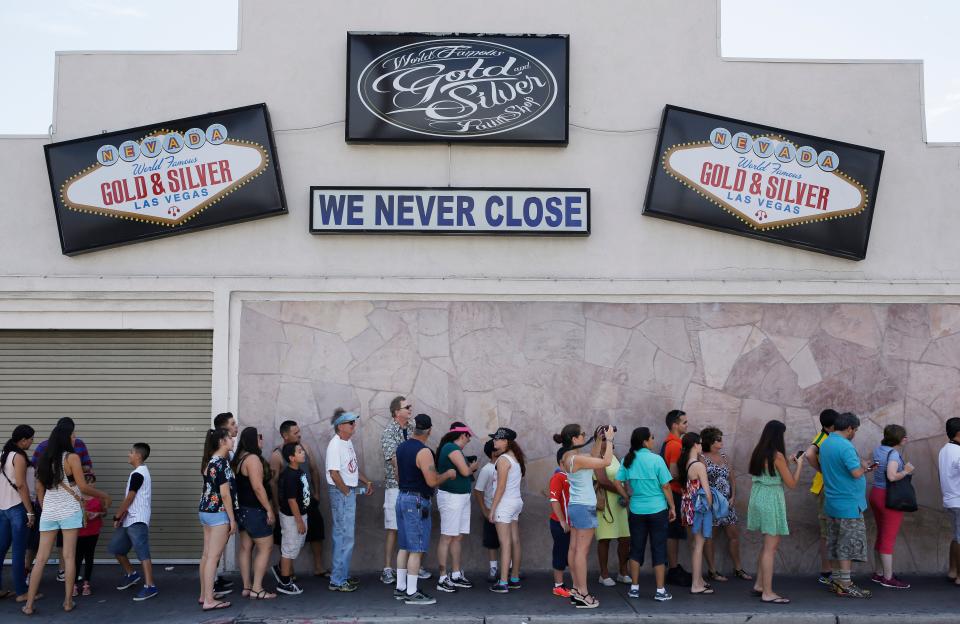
<point>846,539</point>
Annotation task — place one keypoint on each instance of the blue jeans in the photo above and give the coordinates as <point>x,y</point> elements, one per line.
<point>344,511</point>
<point>13,530</point>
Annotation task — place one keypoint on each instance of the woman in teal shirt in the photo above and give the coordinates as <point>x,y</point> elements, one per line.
<point>453,501</point>
<point>646,477</point>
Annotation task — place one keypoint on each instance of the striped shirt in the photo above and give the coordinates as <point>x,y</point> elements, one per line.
<point>59,503</point>
<point>139,509</point>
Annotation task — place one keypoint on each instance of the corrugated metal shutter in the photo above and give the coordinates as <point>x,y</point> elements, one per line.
<point>120,387</point>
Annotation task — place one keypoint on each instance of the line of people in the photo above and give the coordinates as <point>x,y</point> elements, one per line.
<point>649,497</point>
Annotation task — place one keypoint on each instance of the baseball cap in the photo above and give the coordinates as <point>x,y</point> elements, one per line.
<point>423,422</point>
<point>504,434</point>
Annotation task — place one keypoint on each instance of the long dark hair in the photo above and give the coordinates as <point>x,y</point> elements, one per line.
<point>687,442</point>
<point>21,432</point>
<point>50,466</point>
<point>637,438</point>
<point>211,445</point>
<point>450,436</point>
<point>765,452</point>
<point>518,453</point>
<point>249,444</point>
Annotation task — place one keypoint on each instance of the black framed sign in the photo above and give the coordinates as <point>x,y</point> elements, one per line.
<point>780,186</point>
<point>421,210</point>
<point>164,179</point>
<point>457,88</point>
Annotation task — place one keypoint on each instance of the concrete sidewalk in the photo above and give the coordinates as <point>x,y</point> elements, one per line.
<point>931,600</point>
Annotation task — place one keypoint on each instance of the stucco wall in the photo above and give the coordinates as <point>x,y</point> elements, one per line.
<point>536,366</point>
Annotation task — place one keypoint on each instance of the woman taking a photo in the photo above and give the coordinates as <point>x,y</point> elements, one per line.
<point>722,477</point>
<point>647,478</point>
<point>16,509</point>
<point>60,485</point>
<point>767,511</point>
<point>889,459</point>
<point>255,517</point>
<point>217,508</point>
<point>506,507</point>
<point>692,473</point>
<point>582,510</point>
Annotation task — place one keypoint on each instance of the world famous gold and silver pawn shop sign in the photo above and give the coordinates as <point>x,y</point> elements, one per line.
<point>168,178</point>
<point>783,186</point>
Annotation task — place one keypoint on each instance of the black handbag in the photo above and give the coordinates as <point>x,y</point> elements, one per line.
<point>900,494</point>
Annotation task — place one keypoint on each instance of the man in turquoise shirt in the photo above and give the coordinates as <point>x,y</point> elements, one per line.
<point>844,488</point>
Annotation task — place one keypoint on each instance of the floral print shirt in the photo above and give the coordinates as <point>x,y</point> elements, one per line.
<point>217,473</point>
<point>393,436</point>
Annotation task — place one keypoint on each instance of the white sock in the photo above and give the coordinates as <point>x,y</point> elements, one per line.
<point>401,579</point>
<point>456,575</point>
<point>660,590</point>
<point>636,588</point>
<point>412,584</point>
<point>557,584</point>
<point>442,578</point>
<point>388,569</point>
<point>493,566</point>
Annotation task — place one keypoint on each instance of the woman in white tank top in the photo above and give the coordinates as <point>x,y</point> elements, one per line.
<point>506,507</point>
<point>60,486</point>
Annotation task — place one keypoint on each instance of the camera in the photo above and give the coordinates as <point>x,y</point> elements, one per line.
<point>471,459</point>
<point>602,431</point>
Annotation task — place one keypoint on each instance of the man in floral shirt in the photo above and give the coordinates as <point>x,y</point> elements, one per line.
<point>399,429</point>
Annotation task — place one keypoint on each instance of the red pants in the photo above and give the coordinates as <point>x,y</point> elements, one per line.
<point>888,521</point>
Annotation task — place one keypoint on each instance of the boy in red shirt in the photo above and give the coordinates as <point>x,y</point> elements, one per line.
<point>87,538</point>
<point>559,529</point>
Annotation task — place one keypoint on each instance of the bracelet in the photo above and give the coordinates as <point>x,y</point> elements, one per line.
<point>30,513</point>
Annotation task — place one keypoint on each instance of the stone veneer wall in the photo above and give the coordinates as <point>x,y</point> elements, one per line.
<point>535,366</point>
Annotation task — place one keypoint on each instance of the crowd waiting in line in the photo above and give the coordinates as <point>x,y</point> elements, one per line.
<point>656,496</point>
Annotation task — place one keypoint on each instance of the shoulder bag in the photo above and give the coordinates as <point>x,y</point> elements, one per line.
<point>900,494</point>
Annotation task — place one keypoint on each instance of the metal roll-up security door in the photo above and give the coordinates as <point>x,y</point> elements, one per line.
<point>121,387</point>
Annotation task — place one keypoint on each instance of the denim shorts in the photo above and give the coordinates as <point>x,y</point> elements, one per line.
<point>72,522</point>
<point>253,520</point>
<point>215,518</point>
<point>582,516</point>
<point>136,536</point>
<point>702,524</point>
<point>413,522</point>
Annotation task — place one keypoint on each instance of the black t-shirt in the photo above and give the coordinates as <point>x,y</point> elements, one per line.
<point>293,484</point>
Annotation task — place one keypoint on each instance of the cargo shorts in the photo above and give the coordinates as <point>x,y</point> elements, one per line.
<point>846,539</point>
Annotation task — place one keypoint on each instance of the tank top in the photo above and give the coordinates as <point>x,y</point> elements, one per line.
<point>459,485</point>
<point>58,502</point>
<point>409,476</point>
<point>512,488</point>
<point>9,496</point>
<point>581,486</point>
<point>246,497</point>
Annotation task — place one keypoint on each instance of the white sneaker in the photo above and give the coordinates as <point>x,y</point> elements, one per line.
<point>626,580</point>
<point>424,574</point>
<point>607,582</point>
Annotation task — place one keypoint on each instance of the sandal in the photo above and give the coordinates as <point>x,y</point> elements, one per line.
<point>740,573</point>
<point>588,602</point>
<point>5,594</point>
<point>24,610</point>
<point>780,600</point>
<point>70,607</point>
<point>219,605</point>
<point>756,593</point>
<point>261,595</point>
<point>246,592</point>
<point>706,591</point>
<point>713,575</point>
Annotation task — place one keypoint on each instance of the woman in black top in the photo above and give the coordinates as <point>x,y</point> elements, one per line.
<point>256,517</point>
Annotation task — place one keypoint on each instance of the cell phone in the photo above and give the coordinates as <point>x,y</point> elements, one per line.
<point>798,455</point>
<point>471,459</point>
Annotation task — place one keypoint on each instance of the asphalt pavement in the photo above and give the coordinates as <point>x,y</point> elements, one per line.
<point>930,600</point>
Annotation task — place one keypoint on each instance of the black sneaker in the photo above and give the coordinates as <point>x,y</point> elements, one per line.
<point>679,576</point>
<point>446,585</point>
<point>275,568</point>
<point>346,587</point>
<point>500,588</point>
<point>514,584</point>
<point>462,582</point>
<point>222,587</point>
<point>420,598</point>
<point>290,589</point>
<point>226,583</point>
<point>399,594</point>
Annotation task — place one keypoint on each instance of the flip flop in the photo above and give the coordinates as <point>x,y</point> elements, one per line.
<point>261,595</point>
<point>219,605</point>
<point>755,593</point>
<point>72,606</point>
<point>246,592</point>
<point>23,597</point>
<point>24,611</point>
<point>780,600</point>
<point>5,594</point>
<point>706,591</point>
<point>740,573</point>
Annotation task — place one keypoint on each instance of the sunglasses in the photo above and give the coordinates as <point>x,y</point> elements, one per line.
<point>407,407</point>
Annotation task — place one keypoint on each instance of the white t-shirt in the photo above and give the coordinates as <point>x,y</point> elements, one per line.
<point>487,483</point>
<point>950,474</point>
<point>342,457</point>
